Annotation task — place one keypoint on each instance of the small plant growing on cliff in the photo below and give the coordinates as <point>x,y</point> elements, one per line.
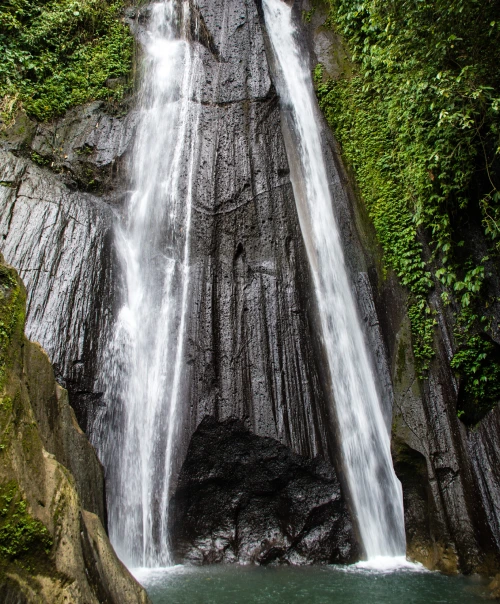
<point>20,534</point>
<point>318,74</point>
<point>478,364</point>
<point>39,159</point>
<point>307,15</point>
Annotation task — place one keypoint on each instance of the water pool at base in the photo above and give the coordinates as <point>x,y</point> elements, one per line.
<point>314,585</point>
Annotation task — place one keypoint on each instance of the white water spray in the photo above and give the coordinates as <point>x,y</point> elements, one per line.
<point>136,432</point>
<point>376,493</point>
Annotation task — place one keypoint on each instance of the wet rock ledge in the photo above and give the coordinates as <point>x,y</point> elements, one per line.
<point>53,545</point>
<point>247,498</point>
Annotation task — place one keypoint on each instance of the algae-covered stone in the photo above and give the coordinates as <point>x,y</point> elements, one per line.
<point>44,544</point>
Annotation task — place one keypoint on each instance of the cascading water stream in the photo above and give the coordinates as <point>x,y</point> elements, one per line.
<point>376,493</point>
<point>142,372</point>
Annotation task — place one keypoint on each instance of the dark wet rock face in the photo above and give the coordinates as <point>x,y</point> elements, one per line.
<point>422,524</point>
<point>251,344</point>
<point>60,184</point>
<point>460,534</point>
<point>61,243</point>
<point>245,498</point>
<point>484,449</point>
<point>250,333</point>
<point>252,350</point>
<point>87,147</point>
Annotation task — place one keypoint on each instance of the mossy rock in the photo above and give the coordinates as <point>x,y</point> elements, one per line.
<point>23,539</point>
<point>44,554</point>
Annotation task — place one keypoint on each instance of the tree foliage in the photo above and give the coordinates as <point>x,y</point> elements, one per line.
<point>419,123</point>
<point>59,53</point>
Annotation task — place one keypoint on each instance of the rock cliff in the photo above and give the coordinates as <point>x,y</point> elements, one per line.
<point>58,235</point>
<point>251,347</point>
<point>53,546</point>
<point>447,469</point>
<point>252,350</point>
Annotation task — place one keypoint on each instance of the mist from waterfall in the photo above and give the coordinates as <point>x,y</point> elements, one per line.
<point>365,443</point>
<point>135,432</point>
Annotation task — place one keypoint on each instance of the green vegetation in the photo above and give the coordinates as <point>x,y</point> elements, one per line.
<point>60,53</point>
<point>308,15</point>
<point>477,360</point>
<point>12,315</point>
<point>21,536</point>
<point>419,124</point>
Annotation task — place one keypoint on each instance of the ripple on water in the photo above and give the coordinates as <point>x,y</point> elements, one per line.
<point>403,583</point>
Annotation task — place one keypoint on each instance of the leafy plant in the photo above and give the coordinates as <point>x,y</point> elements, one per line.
<point>308,15</point>
<point>478,361</point>
<point>419,123</point>
<point>60,53</point>
<point>20,533</point>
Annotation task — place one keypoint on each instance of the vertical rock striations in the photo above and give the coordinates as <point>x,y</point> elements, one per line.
<point>458,534</point>
<point>251,338</point>
<point>59,185</point>
<point>483,446</point>
<point>60,241</point>
<point>252,347</point>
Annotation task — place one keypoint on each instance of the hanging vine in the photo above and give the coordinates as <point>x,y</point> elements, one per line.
<point>418,119</point>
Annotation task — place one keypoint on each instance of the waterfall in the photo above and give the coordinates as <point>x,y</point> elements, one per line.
<point>135,432</point>
<point>365,443</point>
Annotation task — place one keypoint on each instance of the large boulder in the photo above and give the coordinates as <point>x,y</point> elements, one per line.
<point>247,498</point>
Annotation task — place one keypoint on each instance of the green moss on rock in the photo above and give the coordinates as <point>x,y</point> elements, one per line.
<point>22,537</point>
<point>43,535</point>
<point>12,316</point>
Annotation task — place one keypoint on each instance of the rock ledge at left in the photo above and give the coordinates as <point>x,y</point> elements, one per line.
<point>53,545</point>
